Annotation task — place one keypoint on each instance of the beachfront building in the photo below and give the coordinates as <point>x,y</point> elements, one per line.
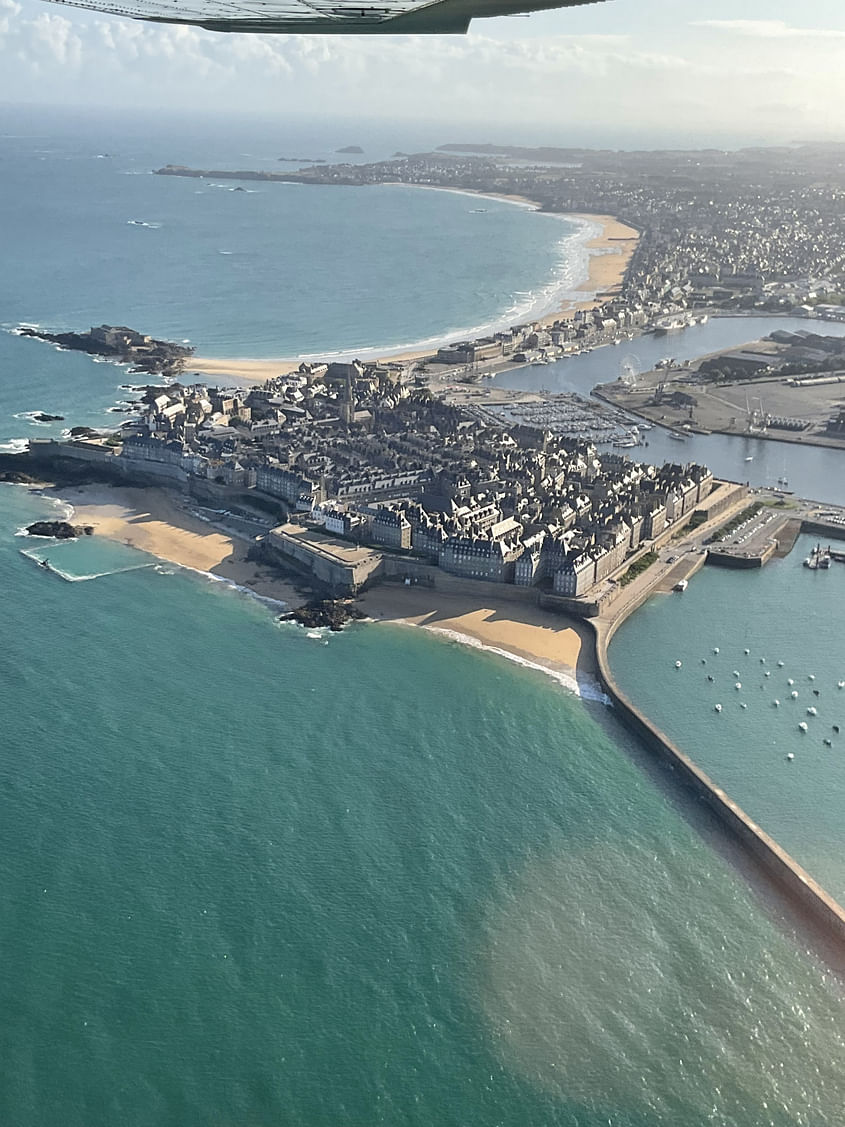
<point>577,575</point>
<point>480,557</point>
<point>390,527</point>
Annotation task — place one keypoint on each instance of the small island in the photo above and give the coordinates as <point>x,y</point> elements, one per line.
<point>350,149</point>
<point>121,344</point>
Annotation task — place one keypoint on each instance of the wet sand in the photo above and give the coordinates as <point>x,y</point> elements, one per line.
<point>562,646</point>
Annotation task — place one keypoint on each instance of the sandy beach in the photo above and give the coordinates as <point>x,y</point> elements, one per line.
<point>562,646</point>
<point>155,521</point>
<point>611,251</point>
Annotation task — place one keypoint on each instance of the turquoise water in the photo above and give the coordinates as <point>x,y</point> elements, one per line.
<point>243,886</point>
<point>782,613</point>
<point>252,876</point>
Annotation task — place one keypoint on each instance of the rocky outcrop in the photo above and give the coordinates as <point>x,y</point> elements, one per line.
<point>43,417</point>
<point>17,477</point>
<point>123,345</point>
<point>59,529</point>
<point>333,613</point>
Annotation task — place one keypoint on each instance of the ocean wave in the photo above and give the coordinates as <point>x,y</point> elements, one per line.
<point>585,687</point>
<point>570,270</point>
<point>14,446</point>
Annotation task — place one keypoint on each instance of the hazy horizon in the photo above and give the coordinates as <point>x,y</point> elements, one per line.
<point>624,73</point>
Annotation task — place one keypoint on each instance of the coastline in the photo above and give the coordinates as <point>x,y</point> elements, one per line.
<point>561,647</point>
<point>609,252</point>
<point>155,521</point>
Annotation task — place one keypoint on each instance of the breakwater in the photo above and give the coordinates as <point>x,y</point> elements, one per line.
<point>788,877</point>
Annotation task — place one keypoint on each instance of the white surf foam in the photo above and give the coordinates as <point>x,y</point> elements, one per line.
<point>15,446</point>
<point>570,270</point>
<point>276,604</point>
<point>584,687</point>
<point>31,418</point>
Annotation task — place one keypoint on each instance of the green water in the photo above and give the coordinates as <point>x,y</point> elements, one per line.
<point>255,877</point>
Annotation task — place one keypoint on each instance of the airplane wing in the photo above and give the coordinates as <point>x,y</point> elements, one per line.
<point>322,17</point>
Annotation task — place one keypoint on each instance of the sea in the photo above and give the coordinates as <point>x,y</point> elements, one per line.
<point>258,875</point>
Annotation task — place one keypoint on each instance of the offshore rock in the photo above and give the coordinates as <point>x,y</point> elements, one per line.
<point>59,529</point>
<point>123,345</point>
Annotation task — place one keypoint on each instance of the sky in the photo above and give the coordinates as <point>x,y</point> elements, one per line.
<point>622,73</point>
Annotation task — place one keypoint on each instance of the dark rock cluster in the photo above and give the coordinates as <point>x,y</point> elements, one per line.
<point>59,529</point>
<point>334,613</point>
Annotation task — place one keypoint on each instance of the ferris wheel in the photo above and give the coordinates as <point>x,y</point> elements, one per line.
<point>629,370</point>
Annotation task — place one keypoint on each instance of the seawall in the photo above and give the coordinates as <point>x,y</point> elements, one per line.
<point>774,862</point>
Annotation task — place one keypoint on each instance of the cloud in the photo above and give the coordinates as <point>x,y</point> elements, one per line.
<point>593,84</point>
<point>769,29</point>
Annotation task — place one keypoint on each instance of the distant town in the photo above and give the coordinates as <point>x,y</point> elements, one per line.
<point>760,228</point>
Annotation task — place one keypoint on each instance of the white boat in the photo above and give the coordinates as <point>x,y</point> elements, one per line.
<point>750,458</point>
<point>803,726</point>
<point>790,755</point>
<point>677,665</point>
<point>682,585</point>
<point>840,684</point>
<point>718,708</point>
<point>811,711</point>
